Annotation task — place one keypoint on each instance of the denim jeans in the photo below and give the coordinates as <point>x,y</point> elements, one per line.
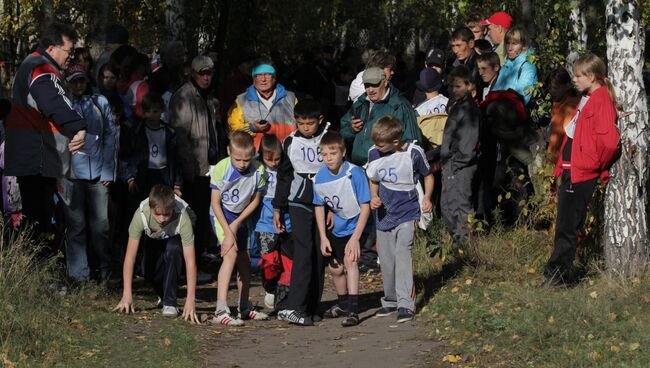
<point>88,209</point>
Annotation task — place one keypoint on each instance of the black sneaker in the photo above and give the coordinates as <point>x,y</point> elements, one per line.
<point>352,319</point>
<point>295,317</point>
<point>316,318</point>
<point>404,315</point>
<point>335,312</point>
<point>385,311</point>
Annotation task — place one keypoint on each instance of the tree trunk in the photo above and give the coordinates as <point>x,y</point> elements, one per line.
<point>578,38</point>
<point>527,17</point>
<point>626,223</point>
<point>174,20</point>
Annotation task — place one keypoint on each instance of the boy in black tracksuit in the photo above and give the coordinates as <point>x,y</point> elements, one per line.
<point>458,156</point>
<point>294,193</point>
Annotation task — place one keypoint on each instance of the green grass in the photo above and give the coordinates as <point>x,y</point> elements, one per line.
<point>40,328</point>
<point>496,312</point>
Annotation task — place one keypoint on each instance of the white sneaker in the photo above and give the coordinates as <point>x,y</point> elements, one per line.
<point>254,315</point>
<point>226,319</point>
<point>159,303</point>
<point>169,311</point>
<point>269,300</point>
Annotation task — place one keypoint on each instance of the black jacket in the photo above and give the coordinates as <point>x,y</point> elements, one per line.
<point>460,137</point>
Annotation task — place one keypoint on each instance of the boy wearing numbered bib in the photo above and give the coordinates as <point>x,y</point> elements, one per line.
<point>394,168</point>
<point>237,184</point>
<point>343,188</point>
<point>294,194</point>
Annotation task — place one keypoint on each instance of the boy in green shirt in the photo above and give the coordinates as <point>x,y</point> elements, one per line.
<point>166,221</point>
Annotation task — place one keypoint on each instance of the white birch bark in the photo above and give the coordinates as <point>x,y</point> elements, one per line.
<point>578,39</point>
<point>626,224</point>
<point>175,20</point>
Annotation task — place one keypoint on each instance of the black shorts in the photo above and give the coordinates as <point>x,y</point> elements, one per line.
<point>338,246</point>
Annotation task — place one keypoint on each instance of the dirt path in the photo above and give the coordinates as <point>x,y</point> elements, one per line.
<point>376,342</point>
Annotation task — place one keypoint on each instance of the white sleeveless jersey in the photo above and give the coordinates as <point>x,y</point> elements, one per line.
<point>304,153</point>
<point>170,229</point>
<point>339,195</point>
<point>237,194</point>
<point>395,171</point>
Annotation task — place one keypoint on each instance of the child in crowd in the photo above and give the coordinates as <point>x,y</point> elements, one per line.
<point>166,221</point>
<point>565,100</point>
<point>459,156</point>
<point>300,162</point>
<point>394,168</point>
<point>275,246</point>
<point>430,83</point>
<point>92,171</point>
<point>589,148</point>
<point>237,184</point>
<point>155,158</point>
<point>488,65</point>
<point>343,188</point>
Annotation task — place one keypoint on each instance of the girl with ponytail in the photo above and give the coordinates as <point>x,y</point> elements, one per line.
<point>590,146</point>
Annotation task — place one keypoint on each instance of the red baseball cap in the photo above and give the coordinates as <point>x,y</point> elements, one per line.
<point>502,19</point>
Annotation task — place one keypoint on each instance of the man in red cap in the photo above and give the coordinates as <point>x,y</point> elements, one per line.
<point>498,24</point>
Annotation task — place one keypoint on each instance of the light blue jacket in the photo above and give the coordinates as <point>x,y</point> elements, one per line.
<point>98,157</point>
<point>517,74</point>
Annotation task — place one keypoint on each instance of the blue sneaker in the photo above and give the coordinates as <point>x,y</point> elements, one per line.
<point>404,315</point>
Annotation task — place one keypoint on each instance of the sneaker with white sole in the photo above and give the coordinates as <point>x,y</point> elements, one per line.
<point>404,315</point>
<point>226,319</point>
<point>385,311</point>
<point>169,311</point>
<point>254,315</point>
<point>269,300</point>
<point>295,317</point>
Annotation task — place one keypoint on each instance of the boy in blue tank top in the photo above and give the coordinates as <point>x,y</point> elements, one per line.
<point>343,188</point>
<point>394,168</point>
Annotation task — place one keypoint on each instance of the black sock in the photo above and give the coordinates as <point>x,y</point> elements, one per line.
<point>353,303</point>
<point>343,301</point>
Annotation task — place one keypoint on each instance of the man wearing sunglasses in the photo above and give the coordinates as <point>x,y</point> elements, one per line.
<point>42,128</point>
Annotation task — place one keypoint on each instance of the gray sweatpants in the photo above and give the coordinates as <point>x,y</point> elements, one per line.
<point>396,262</point>
<point>456,202</point>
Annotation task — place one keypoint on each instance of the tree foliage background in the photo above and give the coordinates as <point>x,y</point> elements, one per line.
<point>288,27</point>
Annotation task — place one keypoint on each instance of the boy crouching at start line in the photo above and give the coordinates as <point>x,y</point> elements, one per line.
<point>166,221</point>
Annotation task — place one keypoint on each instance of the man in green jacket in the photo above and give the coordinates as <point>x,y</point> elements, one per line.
<point>380,99</point>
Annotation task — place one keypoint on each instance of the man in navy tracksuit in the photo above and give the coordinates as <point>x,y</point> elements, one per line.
<point>42,128</point>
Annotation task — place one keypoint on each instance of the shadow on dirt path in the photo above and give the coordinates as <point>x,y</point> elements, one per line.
<point>376,342</point>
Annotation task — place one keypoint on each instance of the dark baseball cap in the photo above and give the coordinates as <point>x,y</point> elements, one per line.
<point>430,80</point>
<point>435,57</point>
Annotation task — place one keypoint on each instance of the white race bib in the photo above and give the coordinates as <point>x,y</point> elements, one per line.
<point>394,172</point>
<point>237,194</point>
<point>271,180</point>
<point>305,153</point>
<point>339,195</point>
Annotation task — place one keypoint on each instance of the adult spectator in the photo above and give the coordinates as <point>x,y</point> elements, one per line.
<point>462,45</point>
<point>265,108</point>
<point>378,59</point>
<point>42,129</point>
<point>116,36</point>
<point>498,24</point>
<point>193,115</point>
<point>107,83</point>
<point>92,172</point>
<point>380,99</point>
<point>517,73</point>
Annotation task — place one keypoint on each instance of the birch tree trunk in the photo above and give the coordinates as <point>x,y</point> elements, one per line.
<point>175,20</point>
<point>578,37</point>
<point>626,223</point>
